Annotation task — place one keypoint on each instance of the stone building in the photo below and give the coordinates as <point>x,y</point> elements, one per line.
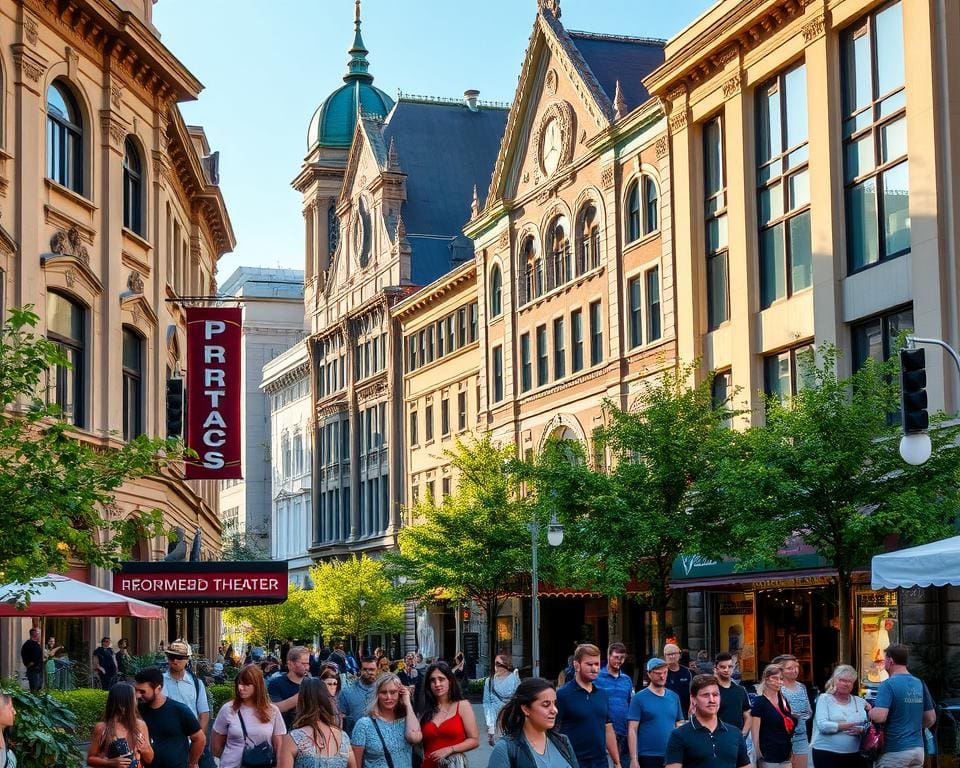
<point>110,211</point>
<point>575,274</point>
<point>814,202</point>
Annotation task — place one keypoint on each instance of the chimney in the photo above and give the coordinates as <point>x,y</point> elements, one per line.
<point>470,97</point>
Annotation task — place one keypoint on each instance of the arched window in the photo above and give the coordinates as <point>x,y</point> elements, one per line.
<point>633,212</point>
<point>64,138</point>
<point>651,206</point>
<point>532,270</point>
<point>132,188</point>
<point>66,327</point>
<point>588,252</point>
<point>496,292</point>
<point>133,379</point>
<point>560,267</point>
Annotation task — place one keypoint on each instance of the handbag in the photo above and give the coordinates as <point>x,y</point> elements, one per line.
<point>259,755</point>
<point>456,760</point>
<point>872,741</point>
<point>386,752</point>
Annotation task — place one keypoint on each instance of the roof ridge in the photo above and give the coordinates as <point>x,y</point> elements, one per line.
<point>413,98</point>
<point>617,38</point>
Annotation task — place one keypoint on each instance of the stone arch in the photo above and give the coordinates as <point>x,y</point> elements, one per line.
<point>564,426</point>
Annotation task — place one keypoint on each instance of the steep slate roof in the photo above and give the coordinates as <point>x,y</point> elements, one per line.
<point>617,57</point>
<point>444,149</point>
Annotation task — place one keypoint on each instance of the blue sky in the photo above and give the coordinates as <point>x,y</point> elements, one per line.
<point>267,66</point>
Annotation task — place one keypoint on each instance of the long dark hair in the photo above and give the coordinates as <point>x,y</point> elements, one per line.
<point>431,705</point>
<point>314,704</point>
<point>512,716</point>
<point>121,708</point>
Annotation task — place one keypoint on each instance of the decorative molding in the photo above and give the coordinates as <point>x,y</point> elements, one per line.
<point>73,62</point>
<point>562,112</point>
<point>662,147</point>
<point>732,86</point>
<point>30,30</point>
<point>678,121</point>
<point>729,55</point>
<point>607,177</point>
<point>550,6</point>
<point>29,65</point>
<point>504,239</point>
<point>135,282</point>
<point>114,131</point>
<point>69,243</point>
<point>550,83</point>
<point>116,95</point>
<point>814,29</point>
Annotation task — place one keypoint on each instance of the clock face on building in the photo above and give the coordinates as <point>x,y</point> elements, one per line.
<point>550,146</point>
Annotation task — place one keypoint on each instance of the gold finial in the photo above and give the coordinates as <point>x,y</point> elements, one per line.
<point>356,15</point>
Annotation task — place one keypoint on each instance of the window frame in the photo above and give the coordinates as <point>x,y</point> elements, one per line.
<point>559,348</point>
<point>134,188</point>
<point>596,332</point>
<point>715,214</point>
<point>134,421</point>
<point>76,351</point>
<point>543,356</point>
<point>576,335</point>
<point>654,306</point>
<point>496,291</point>
<point>65,140</point>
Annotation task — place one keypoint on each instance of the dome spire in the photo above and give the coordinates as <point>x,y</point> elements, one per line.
<point>358,68</point>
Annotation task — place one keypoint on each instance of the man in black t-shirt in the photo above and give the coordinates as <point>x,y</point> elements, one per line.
<point>105,663</point>
<point>678,676</point>
<point>31,654</point>
<point>284,691</point>
<point>175,732</point>
<point>734,702</point>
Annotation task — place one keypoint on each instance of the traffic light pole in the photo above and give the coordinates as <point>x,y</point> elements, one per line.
<point>912,341</point>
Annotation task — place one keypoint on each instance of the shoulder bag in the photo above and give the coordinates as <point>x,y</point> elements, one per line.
<point>259,755</point>
<point>872,741</point>
<point>386,752</point>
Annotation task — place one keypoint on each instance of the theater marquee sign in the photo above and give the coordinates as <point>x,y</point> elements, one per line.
<point>203,583</point>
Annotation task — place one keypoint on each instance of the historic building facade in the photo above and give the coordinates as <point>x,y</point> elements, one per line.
<point>814,202</point>
<point>575,272</point>
<point>110,209</point>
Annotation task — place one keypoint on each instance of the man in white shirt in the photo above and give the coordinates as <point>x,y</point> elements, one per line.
<point>180,685</point>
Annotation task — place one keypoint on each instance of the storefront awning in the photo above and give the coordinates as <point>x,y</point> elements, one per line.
<point>782,579</point>
<point>930,565</point>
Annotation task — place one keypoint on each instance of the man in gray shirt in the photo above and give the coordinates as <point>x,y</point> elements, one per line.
<point>355,698</point>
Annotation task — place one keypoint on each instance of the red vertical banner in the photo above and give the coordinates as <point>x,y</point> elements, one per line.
<point>214,343</point>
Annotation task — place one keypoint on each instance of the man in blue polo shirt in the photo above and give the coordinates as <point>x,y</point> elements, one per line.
<point>583,712</point>
<point>619,688</point>
<point>706,741</point>
<point>904,704</point>
<point>654,713</point>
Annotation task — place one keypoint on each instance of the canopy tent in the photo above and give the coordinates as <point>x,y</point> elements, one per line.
<point>929,565</point>
<point>55,595</point>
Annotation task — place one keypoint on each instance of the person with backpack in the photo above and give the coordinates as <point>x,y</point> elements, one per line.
<point>497,690</point>
<point>529,738</point>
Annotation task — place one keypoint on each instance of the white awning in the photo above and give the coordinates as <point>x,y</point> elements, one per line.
<point>930,565</point>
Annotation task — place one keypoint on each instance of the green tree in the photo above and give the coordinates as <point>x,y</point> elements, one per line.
<point>475,543</point>
<point>627,524</point>
<point>55,487</point>
<point>353,597</point>
<point>288,620</point>
<point>825,466</point>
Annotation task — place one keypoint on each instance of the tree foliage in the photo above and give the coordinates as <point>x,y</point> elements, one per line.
<point>473,544</point>
<point>825,466</point>
<point>353,597</point>
<point>55,488</point>
<point>289,620</point>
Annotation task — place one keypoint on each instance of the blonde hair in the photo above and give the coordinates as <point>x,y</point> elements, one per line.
<point>769,671</point>
<point>842,671</point>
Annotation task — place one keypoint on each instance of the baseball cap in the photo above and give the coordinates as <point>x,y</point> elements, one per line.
<point>655,663</point>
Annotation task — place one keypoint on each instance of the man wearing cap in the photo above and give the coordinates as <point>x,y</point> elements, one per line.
<point>654,713</point>
<point>705,741</point>
<point>180,685</point>
<point>583,712</point>
<point>678,676</point>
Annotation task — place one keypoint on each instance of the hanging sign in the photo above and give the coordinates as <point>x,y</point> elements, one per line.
<point>213,393</point>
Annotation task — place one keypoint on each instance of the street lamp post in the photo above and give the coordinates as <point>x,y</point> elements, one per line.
<point>555,539</point>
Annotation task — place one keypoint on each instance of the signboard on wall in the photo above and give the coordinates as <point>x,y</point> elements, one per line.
<point>205,583</point>
<point>738,631</point>
<point>214,428</point>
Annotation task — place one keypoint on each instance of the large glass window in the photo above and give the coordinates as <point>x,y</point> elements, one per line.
<point>65,327</point>
<point>651,206</point>
<point>132,384</point>
<point>526,364</point>
<point>576,330</point>
<point>596,334</point>
<point>588,254</point>
<point>634,292</point>
<point>428,422</point>
<point>784,372</point>
<point>543,367</point>
<point>715,212</point>
<point>64,138</point>
<point>654,330</point>
<point>497,374</point>
<point>133,203</point>
<point>496,293</point>
<point>783,186</point>
<point>633,212</point>
<point>559,350</point>
<point>875,139</point>
<point>876,338</point>
<point>560,256</point>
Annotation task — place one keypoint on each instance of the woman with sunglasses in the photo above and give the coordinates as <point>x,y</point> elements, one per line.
<point>384,738</point>
<point>330,677</point>
<point>448,723</point>
<point>497,691</point>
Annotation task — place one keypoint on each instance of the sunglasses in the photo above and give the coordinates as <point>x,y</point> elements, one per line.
<point>172,657</point>
<point>500,664</point>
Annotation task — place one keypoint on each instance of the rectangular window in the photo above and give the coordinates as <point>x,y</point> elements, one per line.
<point>445,416</point>
<point>461,327</point>
<point>784,372</point>
<point>654,329</point>
<point>422,355</point>
<point>721,390</point>
<point>440,339</point>
<point>451,345</point>
<point>445,487</point>
<point>576,330</point>
<point>414,436</point>
<point>874,131</point>
<point>461,411</point>
<point>497,374</point>
<point>634,290</point>
<point>474,321</point>
<point>596,334</point>
<point>559,350</point>
<point>715,225</point>
<point>876,338</point>
<point>783,184</point>
<point>526,364</point>
<point>543,368</point>
<point>428,426</point>
<point>430,344</point>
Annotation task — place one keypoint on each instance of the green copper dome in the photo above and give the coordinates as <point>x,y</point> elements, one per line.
<point>335,120</point>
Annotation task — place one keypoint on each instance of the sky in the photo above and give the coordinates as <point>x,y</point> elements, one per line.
<point>266,67</point>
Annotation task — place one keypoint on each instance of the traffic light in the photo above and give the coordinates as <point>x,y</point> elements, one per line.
<point>174,407</point>
<point>913,393</point>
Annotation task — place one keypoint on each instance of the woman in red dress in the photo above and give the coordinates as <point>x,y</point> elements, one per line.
<point>448,723</point>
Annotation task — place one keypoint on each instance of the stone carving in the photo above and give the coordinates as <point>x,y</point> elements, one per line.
<point>551,6</point>
<point>137,315</point>
<point>71,277</point>
<point>662,147</point>
<point>562,112</point>
<point>551,82</point>
<point>475,204</point>
<point>606,177</point>
<point>116,94</point>
<point>732,86</point>
<point>69,244</point>
<point>135,282</point>
<point>504,240</point>
<point>30,29</point>
<point>619,103</point>
<point>678,121</point>
<point>814,29</point>
<point>728,55</point>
